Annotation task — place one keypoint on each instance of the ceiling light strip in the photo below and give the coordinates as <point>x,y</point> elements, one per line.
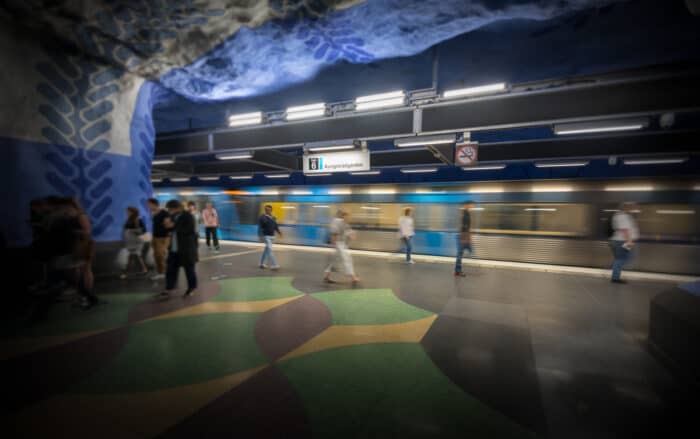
<point>474,91</point>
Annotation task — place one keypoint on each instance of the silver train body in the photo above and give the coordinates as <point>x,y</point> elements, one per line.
<point>563,222</point>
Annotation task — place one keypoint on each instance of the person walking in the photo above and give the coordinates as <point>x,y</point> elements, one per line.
<point>192,208</point>
<point>211,223</point>
<point>464,239</point>
<point>622,242</point>
<point>161,238</point>
<point>340,234</point>
<point>406,231</point>
<point>134,229</point>
<point>267,226</point>
<point>183,249</point>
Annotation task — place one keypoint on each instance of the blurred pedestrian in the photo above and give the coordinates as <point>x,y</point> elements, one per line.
<point>406,231</point>
<point>340,235</point>
<point>267,227</point>
<point>464,239</point>
<point>210,217</point>
<point>622,242</point>
<point>134,229</point>
<point>183,248</point>
<point>192,208</point>
<point>161,238</point>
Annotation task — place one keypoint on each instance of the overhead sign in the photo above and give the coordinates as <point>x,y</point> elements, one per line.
<point>466,154</point>
<point>341,161</point>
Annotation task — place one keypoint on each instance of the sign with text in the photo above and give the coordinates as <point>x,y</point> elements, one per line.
<point>466,154</point>
<point>342,161</point>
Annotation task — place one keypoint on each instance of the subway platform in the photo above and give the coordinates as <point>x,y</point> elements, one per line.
<point>412,351</point>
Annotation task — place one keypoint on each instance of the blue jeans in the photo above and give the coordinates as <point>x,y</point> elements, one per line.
<point>620,257</point>
<point>406,240</point>
<point>460,251</point>
<point>267,253</point>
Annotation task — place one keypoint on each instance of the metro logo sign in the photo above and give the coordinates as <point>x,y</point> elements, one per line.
<point>466,154</point>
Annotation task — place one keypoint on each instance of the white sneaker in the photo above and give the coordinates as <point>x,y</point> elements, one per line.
<point>411,262</point>
<point>158,276</point>
<point>275,267</point>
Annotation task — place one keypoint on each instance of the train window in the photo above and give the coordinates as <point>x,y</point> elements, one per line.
<point>669,222</point>
<point>533,219</point>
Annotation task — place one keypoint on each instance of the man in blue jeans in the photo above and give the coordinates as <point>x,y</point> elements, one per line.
<point>267,226</point>
<point>464,239</point>
<point>622,242</point>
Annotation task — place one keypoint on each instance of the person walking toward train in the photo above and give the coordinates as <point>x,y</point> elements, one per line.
<point>161,238</point>
<point>192,208</point>
<point>267,227</point>
<point>183,249</point>
<point>406,231</point>
<point>210,217</point>
<point>340,234</point>
<point>622,241</point>
<point>464,239</point>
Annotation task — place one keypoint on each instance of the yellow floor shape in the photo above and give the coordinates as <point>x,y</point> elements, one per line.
<point>224,307</point>
<point>348,335</point>
<point>131,415</point>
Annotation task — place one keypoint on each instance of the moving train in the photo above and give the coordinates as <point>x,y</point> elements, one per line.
<point>563,222</point>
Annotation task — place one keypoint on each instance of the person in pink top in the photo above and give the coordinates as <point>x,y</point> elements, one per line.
<point>211,223</point>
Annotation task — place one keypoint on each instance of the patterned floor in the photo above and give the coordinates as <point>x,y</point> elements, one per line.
<point>410,353</point>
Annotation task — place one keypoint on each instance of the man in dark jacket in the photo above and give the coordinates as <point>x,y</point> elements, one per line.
<point>183,248</point>
<point>267,226</point>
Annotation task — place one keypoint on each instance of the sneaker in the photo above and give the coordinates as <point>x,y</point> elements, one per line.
<point>618,281</point>
<point>158,276</point>
<point>263,266</point>
<point>411,262</point>
<point>460,274</point>
<point>275,267</point>
<point>189,292</point>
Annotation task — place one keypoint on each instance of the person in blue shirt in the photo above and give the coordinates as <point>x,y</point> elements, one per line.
<point>267,226</point>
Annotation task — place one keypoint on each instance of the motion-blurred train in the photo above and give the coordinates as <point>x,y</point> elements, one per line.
<point>563,222</point>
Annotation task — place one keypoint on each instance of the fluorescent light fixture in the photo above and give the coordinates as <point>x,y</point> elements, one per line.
<point>180,179</point>
<point>321,206</point>
<point>381,190</point>
<point>343,191</point>
<point>477,208</point>
<point>288,207</point>
<point>576,164</point>
<point>370,208</point>
<point>277,175</point>
<point>424,140</point>
<point>269,193</point>
<point>546,188</point>
<point>235,156</point>
<point>675,212</point>
<point>366,173</point>
<point>659,161</point>
<point>245,119</point>
<point>156,180</point>
<point>602,126</point>
<point>541,209</point>
<point>418,170</point>
<point>298,192</point>
<point>485,190</point>
<point>241,177</point>
<point>319,174</point>
<point>208,178</point>
<point>306,111</point>
<point>625,188</point>
<point>186,194</point>
<point>394,102</point>
<point>380,96</point>
<point>484,167</point>
<point>156,162</point>
<point>474,91</point>
<point>331,148</point>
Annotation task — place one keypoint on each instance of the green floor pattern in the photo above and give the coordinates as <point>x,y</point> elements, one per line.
<point>369,307</point>
<point>179,351</point>
<point>388,390</point>
<point>256,288</point>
